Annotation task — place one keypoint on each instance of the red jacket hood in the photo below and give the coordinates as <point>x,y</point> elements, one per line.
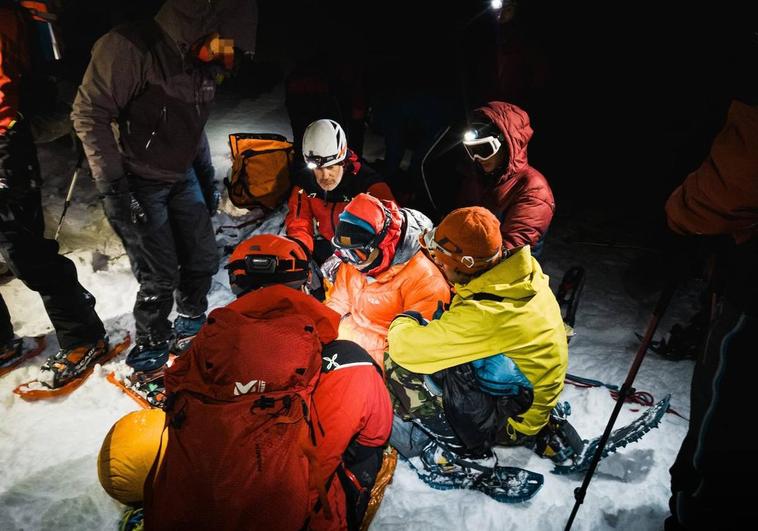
<point>514,123</point>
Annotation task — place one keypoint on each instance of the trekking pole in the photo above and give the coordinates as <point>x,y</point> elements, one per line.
<point>70,193</point>
<point>625,391</point>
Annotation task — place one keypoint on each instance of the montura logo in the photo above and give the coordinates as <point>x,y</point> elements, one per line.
<point>253,386</point>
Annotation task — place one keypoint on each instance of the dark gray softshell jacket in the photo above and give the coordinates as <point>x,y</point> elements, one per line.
<point>144,101</point>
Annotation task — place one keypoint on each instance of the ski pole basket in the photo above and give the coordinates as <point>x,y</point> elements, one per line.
<point>260,170</point>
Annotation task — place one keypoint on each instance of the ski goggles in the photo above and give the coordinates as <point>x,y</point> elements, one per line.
<point>355,256</point>
<point>482,148</point>
<point>429,243</point>
<point>358,254</point>
<point>317,161</point>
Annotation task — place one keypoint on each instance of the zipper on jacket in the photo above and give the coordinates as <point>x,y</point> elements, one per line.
<point>334,229</point>
<point>162,118</point>
<point>299,203</point>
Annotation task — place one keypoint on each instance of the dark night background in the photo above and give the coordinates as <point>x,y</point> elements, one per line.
<point>625,98</point>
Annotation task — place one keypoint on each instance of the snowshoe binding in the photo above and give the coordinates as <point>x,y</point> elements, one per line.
<point>444,470</point>
<point>149,386</point>
<point>143,377</point>
<point>69,364</point>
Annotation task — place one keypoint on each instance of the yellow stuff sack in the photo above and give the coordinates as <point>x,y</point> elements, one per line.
<point>260,170</point>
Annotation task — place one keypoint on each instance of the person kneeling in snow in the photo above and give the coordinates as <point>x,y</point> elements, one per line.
<point>489,369</point>
<point>385,271</point>
<point>265,409</point>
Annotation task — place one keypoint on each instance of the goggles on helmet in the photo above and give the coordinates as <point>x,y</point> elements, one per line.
<point>429,243</point>
<point>357,254</point>
<point>317,161</point>
<point>482,148</point>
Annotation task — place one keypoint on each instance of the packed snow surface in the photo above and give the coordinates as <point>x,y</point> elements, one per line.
<point>48,449</point>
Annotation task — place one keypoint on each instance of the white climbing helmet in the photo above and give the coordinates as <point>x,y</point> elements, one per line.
<point>324,144</point>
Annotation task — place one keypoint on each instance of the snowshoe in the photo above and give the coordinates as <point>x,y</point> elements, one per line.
<point>443,470</point>
<point>185,330</point>
<point>64,372</point>
<point>144,387</point>
<point>619,438</point>
<point>69,364</point>
<point>17,350</point>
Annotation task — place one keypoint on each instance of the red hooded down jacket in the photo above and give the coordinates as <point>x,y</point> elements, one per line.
<point>521,198</point>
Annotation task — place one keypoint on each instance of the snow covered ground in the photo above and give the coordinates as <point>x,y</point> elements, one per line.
<point>48,449</point>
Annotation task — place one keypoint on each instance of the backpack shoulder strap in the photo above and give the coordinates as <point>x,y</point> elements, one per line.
<point>343,354</point>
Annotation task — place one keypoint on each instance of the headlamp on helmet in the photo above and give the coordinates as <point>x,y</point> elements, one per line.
<point>324,144</point>
<point>266,259</point>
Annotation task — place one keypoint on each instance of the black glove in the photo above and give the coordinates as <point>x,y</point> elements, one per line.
<point>212,199</point>
<point>124,208</point>
<point>120,205</point>
<point>138,214</point>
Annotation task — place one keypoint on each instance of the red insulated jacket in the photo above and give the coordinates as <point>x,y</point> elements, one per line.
<point>521,198</point>
<point>314,211</point>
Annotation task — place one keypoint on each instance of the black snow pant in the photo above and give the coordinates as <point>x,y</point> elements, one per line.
<point>173,255</point>
<point>33,258</point>
<point>710,478</point>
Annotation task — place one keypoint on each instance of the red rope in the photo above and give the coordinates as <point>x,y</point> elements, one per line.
<point>642,398</point>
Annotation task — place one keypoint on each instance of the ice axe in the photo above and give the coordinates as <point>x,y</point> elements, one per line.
<point>70,193</point>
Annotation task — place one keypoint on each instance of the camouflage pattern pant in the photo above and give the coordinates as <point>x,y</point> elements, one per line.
<point>419,413</point>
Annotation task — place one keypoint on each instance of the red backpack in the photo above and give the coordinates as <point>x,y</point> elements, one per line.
<point>239,414</point>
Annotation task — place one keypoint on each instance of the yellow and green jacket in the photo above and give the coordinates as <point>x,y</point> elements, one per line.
<point>521,319</point>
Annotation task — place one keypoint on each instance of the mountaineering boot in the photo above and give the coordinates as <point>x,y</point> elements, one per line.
<point>185,330</point>
<point>68,364</point>
<point>149,361</point>
<point>11,351</point>
<point>147,356</point>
